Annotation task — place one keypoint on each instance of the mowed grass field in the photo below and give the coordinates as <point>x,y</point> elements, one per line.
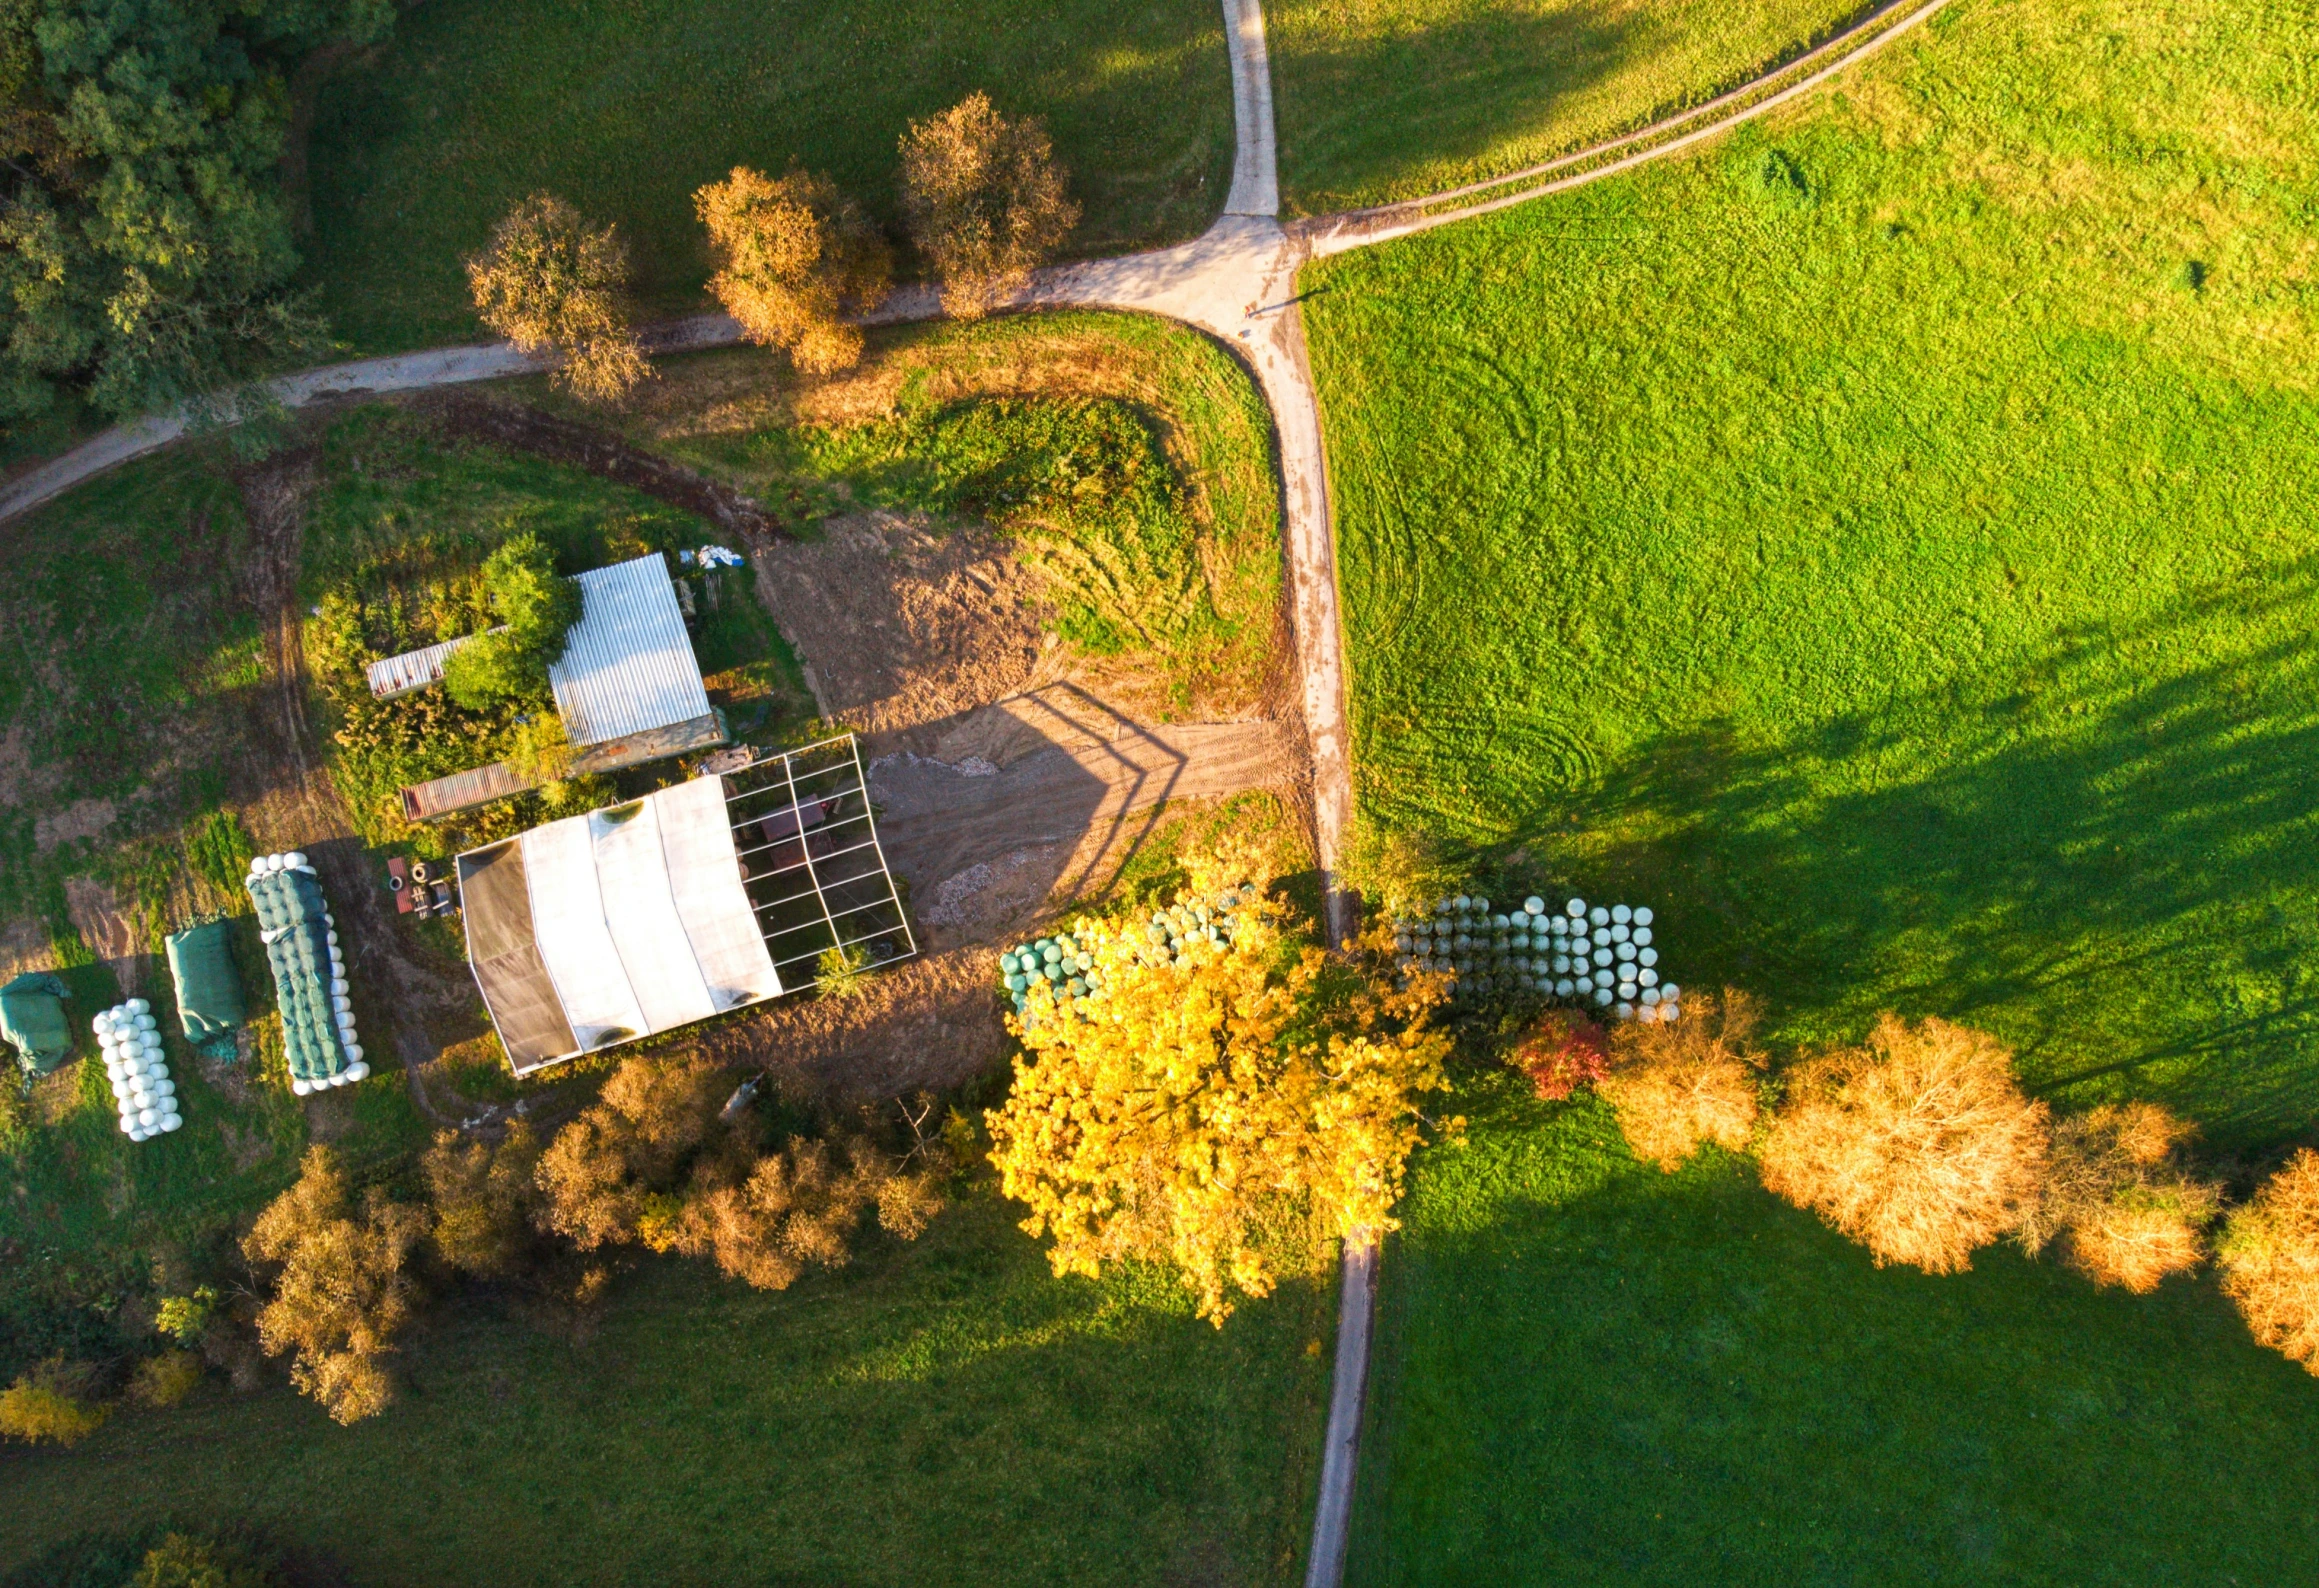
<point>1887,544</point>
<point>938,1413</point>
<point>624,107</point>
<point>1389,99</point>
<point>1588,1371</point>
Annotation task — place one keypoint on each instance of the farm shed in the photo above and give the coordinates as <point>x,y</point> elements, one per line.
<point>627,687</point>
<point>712,895</point>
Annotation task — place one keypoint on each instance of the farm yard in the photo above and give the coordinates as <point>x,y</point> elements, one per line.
<point>1876,538</point>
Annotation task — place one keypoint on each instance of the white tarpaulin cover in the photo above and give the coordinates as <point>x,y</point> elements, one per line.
<point>640,916</point>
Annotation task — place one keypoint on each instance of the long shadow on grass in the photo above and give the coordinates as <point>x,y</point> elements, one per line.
<point>1369,112</point>
<point>2119,873</point>
<point>1593,1372</point>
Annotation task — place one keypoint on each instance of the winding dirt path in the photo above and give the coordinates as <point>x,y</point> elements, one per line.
<point>1238,283</point>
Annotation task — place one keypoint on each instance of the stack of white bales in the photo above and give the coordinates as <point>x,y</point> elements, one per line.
<point>131,1040</point>
<point>1591,954</point>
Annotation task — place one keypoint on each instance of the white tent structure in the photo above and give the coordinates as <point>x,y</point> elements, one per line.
<point>708,896</point>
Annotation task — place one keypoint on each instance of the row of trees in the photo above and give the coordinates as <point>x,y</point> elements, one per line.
<point>982,195</point>
<point>1921,1145</point>
<point>337,1272</point>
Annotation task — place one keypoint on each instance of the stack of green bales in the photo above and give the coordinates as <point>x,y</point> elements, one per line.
<point>32,1019</point>
<point>1603,955</point>
<point>1066,961</point>
<point>209,990</point>
<point>309,973</point>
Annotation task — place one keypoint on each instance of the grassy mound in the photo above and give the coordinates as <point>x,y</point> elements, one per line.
<point>1887,543</point>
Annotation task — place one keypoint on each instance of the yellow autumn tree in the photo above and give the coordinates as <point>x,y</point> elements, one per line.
<point>343,1288</point>
<point>1226,1110</point>
<point>2269,1255</point>
<point>792,257</point>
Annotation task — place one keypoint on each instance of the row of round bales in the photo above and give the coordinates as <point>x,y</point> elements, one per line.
<point>301,937</point>
<point>1595,954</point>
<point>130,1039</point>
<point>1066,961</point>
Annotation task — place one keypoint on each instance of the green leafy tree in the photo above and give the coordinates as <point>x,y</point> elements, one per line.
<point>536,607</point>
<point>145,246</point>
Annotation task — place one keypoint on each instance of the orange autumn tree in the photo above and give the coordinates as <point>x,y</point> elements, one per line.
<point>793,256</point>
<point>1227,1111</point>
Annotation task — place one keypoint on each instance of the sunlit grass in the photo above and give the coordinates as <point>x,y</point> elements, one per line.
<point>626,106</point>
<point>1867,543</point>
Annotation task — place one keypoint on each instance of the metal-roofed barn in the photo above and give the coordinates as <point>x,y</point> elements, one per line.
<point>628,687</point>
<point>628,666</point>
<point>711,895</point>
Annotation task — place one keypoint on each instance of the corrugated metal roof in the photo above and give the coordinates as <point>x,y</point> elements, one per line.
<point>399,675</point>
<point>628,665</point>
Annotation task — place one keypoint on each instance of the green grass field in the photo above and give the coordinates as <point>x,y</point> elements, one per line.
<point>626,106</point>
<point>1589,1371</point>
<point>1389,99</point>
<point>1887,545</point>
<point>945,1412</point>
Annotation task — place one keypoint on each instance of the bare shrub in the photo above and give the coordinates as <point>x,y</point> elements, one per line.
<point>600,1171</point>
<point>1676,1084</point>
<point>985,200</point>
<point>342,1291</point>
<point>1919,1145</point>
<point>792,257</point>
<point>2118,1199</point>
<point>550,280</point>
<point>2269,1255</point>
<point>800,1206</point>
<point>486,1200</point>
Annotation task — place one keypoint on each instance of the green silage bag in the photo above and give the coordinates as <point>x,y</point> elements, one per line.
<point>32,1019</point>
<point>209,989</point>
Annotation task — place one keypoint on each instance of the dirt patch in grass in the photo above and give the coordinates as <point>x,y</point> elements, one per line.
<point>896,625</point>
<point>109,931</point>
<point>81,819</point>
<point>926,1024</point>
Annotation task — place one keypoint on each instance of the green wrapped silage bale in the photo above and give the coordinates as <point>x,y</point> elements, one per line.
<point>209,989</point>
<point>294,922</point>
<point>32,1018</point>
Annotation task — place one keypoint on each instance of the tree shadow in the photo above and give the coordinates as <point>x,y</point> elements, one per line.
<point>1365,114</point>
<point>1599,1373</point>
<point>2117,872</point>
